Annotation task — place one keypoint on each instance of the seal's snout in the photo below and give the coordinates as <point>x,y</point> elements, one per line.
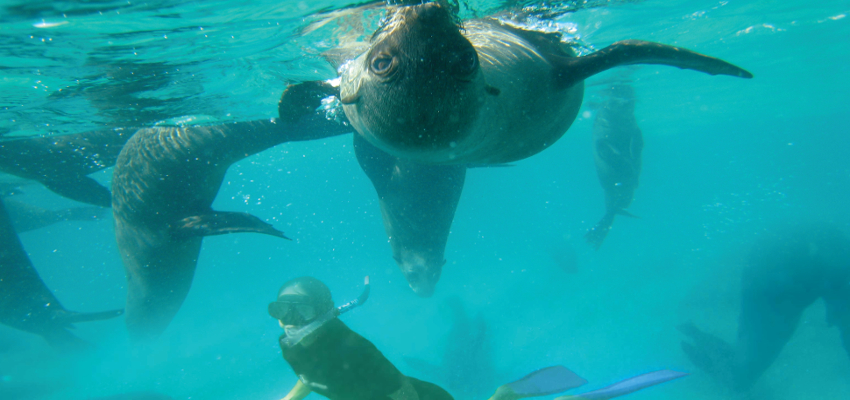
<point>431,13</point>
<point>422,275</point>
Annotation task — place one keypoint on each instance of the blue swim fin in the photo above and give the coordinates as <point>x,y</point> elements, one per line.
<point>627,386</point>
<point>542,382</point>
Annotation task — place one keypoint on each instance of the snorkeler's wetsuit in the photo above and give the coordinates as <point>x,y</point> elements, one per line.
<point>342,365</point>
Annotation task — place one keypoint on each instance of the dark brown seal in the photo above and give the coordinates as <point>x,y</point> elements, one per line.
<point>617,148</point>
<point>430,91</point>
<point>25,301</point>
<point>164,183</point>
<point>418,203</point>
<point>61,163</point>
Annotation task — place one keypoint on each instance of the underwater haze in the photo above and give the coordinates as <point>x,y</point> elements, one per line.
<point>723,158</point>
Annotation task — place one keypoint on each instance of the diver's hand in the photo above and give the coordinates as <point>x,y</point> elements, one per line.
<point>298,392</point>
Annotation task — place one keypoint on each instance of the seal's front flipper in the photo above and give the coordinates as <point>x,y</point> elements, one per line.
<point>308,112</point>
<point>221,223</point>
<point>542,382</point>
<point>627,214</point>
<point>627,52</point>
<point>627,386</point>
<point>82,189</point>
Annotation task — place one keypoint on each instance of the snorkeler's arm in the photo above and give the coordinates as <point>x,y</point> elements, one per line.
<point>298,392</point>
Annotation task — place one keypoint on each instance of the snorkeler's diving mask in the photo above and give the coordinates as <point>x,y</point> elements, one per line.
<point>292,311</point>
<point>295,334</point>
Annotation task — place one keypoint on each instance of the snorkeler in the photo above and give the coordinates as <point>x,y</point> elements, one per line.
<point>331,359</point>
<point>334,361</point>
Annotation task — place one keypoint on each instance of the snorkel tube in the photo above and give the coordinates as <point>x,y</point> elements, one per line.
<point>296,335</point>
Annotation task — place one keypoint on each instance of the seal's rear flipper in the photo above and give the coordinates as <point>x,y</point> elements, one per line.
<point>542,382</point>
<point>72,317</point>
<point>596,235</point>
<point>221,223</point>
<point>82,189</point>
<point>573,70</point>
<point>627,386</point>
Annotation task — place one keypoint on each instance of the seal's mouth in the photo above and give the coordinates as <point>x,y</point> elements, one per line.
<point>422,275</point>
<point>423,292</point>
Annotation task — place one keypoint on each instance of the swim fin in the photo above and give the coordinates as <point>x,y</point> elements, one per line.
<point>627,386</point>
<point>546,381</point>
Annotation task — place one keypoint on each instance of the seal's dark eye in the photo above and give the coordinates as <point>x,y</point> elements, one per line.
<point>466,62</point>
<point>381,64</point>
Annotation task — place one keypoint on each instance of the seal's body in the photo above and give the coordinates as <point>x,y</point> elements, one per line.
<point>430,91</point>
<point>418,203</point>
<point>164,183</point>
<point>61,163</point>
<point>27,217</point>
<point>25,301</point>
<point>617,148</point>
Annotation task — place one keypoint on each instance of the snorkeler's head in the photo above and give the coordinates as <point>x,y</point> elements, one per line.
<point>301,301</point>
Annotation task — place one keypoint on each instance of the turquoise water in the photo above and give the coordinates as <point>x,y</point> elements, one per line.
<point>723,157</point>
